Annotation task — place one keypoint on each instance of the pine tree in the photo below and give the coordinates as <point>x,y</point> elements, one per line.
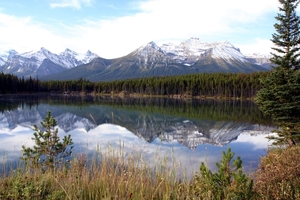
<point>228,182</point>
<point>48,152</point>
<point>280,93</point>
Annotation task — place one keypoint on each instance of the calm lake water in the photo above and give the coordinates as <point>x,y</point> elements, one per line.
<point>180,133</point>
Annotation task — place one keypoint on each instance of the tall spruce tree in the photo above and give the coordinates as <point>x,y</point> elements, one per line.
<point>280,93</point>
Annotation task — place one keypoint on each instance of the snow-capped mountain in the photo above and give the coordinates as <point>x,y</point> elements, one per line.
<point>193,49</point>
<point>42,62</point>
<point>6,56</point>
<point>189,52</point>
<point>260,59</point>
<point>71,58</point>
<point>188,57</point>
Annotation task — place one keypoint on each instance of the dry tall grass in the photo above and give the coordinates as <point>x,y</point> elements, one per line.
<point>108,177</point>
<point>119,176</point>
<point>278,175</point>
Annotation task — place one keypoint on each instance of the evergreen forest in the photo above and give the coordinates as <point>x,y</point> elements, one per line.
<point>219,85</point>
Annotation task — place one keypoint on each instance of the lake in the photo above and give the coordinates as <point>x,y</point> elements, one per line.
<point>181,133</point>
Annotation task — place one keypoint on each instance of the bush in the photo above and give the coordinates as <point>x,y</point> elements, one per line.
<point>48,152</point>
<point>278,174</point>
<point>229,182</point>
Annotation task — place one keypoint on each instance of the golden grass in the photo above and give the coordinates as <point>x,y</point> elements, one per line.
<point>108,177</point>
<point>119,176</point>
<point>278,175</point>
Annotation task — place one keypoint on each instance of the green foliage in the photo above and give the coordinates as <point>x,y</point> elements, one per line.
<point>286,38</point>
<point>11,84</point>
<point>280,93</point>
<point>48,152</point>
<point>280,98</point>
<point>229,182</point>
<point>21,188</point>
<point>221,85</point>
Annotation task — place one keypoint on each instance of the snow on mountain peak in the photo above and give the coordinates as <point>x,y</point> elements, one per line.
<point>227,52</point>
<point>11,53</point>
<point>43,49</point>
<point>5,56</point>
<point>37,56</point>
<point>69,53</point>
<point>188,51</point>
<point>67,59</point>
<point>149,48</point>
<point>88,57</point>
<point>149,45</point>
<point>153,45</point>
<point>88,53</point>
<point>191,50</point>
<point>227,44</point>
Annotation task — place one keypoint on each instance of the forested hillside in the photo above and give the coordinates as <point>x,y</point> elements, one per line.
<point>223,85</point>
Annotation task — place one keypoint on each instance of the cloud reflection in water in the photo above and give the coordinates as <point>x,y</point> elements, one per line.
<point>247,146</point>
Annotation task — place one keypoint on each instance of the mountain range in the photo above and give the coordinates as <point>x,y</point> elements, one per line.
<point>42,62</point>
<point>190,56</point>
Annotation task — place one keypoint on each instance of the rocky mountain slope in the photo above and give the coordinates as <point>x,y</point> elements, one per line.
<point>260,59</point>
<point>190,56</point>
<point>42,62</point>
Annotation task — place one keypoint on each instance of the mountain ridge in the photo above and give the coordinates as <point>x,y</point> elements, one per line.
<point>42,62</point>
<point>190,56</point>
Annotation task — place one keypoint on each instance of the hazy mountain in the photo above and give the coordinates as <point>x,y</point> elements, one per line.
<point>191,56</point>
<point>260,59</point>
<point>41,62</point>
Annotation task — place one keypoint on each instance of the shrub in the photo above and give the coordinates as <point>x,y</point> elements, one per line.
<point>229,182</point>
<point>278,174</point>
<point>48,151</point>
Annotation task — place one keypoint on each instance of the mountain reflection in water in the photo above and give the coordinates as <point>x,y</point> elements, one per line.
<point>190,131</point>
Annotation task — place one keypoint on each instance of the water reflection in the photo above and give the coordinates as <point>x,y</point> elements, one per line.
<point>187,132</point>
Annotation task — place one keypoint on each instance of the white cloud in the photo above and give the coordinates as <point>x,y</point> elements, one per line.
<point>109,139</point>
<point>22,34</point>
<point>167,20</point>
<point>258,141</point>
<point>77,4</point>
<point>156,20</point>
<point>262,46</point>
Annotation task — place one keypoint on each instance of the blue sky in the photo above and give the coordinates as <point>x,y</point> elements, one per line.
<point>114,28</point>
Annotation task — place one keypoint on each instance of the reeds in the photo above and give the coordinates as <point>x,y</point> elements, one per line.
<point>114,174</point>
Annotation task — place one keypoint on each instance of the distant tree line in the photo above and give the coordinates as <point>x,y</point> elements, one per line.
<point>10,84</point>
<point>234,85</point>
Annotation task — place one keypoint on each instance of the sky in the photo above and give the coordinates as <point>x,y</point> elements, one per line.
<point>114,28</point>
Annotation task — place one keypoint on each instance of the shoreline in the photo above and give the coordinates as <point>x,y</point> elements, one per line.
<point>130,95</point>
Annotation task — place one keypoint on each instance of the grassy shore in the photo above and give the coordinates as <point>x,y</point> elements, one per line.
<point>119,177</point>
<point>108,177</point>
